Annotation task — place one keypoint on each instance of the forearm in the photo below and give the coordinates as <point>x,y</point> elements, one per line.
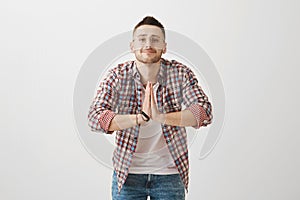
<point>180,118</point>
<point>120,122</point>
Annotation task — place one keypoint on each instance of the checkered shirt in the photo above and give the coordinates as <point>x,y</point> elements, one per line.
<point>121,93</point>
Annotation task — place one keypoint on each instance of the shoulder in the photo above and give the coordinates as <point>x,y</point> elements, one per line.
<point>122,69</point>
<point>174,66</point>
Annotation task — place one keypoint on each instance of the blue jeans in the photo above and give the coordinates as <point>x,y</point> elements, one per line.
<point>158,187</point>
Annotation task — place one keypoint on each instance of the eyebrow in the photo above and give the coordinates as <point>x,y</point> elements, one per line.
<point>141,35</point>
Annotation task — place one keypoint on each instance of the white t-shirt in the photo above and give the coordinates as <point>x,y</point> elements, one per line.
<point>152,155</point>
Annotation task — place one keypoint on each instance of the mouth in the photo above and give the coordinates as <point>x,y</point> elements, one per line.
<point>148,51</point>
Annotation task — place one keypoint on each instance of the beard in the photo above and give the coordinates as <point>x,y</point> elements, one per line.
<point>148,56</point>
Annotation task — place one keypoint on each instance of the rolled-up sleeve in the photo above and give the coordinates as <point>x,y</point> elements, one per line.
<point>199,114</point>
<point>101,111</point>
<point>196,100</point>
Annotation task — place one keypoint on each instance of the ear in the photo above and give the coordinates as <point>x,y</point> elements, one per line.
<point>165,48</point>
<point>131,47</point>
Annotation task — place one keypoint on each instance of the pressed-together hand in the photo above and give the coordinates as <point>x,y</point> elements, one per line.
<point>150,105</point>
<point>155,114</point>
<point>146,102</point>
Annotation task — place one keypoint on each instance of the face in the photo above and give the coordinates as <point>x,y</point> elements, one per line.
<point>148,44</point>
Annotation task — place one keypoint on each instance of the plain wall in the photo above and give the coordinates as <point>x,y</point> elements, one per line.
<point>254,45</point>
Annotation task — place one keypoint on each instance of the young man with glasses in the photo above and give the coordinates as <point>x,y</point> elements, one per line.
<point>149,102</point>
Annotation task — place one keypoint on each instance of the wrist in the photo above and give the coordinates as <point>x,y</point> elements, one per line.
<point>139,119</point>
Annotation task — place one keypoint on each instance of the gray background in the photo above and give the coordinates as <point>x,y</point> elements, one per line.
<point>254,45</point>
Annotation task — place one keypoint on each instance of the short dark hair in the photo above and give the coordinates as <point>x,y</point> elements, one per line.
<point>149,20</point>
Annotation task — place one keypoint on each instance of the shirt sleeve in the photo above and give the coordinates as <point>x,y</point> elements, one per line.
<point>199,114</point>
<point>101,111</point>
<point>196,100</point>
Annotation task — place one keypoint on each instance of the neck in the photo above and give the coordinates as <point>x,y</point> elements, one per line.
<point>148,71</point>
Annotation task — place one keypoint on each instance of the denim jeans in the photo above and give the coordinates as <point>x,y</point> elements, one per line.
<point>157,187</point>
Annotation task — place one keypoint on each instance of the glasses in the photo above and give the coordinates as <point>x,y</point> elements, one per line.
<point>141,42</point>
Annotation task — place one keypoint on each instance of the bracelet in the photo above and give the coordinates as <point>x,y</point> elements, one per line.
<point>145,115</point>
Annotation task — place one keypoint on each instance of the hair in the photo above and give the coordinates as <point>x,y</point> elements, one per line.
<point>149,20</point>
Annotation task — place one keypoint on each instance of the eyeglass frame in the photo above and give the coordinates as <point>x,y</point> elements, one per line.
<point>150,39</point>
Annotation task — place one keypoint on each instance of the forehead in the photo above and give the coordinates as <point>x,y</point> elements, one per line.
<point>148,30</point>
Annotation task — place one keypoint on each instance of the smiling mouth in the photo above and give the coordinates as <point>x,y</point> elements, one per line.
<point>148,51</point>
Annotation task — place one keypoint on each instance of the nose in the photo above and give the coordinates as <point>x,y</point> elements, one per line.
<point>148,44</point>
<point>147,47</point>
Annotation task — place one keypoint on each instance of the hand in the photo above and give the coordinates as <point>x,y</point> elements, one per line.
<point>155,114</point>
<point>146,103</point>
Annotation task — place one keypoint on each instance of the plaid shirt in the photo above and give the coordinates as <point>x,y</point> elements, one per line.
<point>121,93</point>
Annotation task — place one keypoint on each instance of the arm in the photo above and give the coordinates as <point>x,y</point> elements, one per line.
<point>102,117</point>
<point>120,122</point>
<point>186,117</point>
<point>198,112</point>
<point>180,118</point>
<point>101,111</point>
<point>196,100</point>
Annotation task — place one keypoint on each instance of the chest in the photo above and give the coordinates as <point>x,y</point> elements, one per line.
<point>131,96</point>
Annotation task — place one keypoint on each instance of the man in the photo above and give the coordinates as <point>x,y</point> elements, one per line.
<point>142,100</point>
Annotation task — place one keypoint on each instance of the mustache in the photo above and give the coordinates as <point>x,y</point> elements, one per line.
<point>151,50</point>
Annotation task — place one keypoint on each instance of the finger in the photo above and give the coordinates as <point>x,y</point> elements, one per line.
<point>153,102</point>
<point>147,103</point>
<point>148,85</point>
<point>151,91</point>
<point>147,91</point>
